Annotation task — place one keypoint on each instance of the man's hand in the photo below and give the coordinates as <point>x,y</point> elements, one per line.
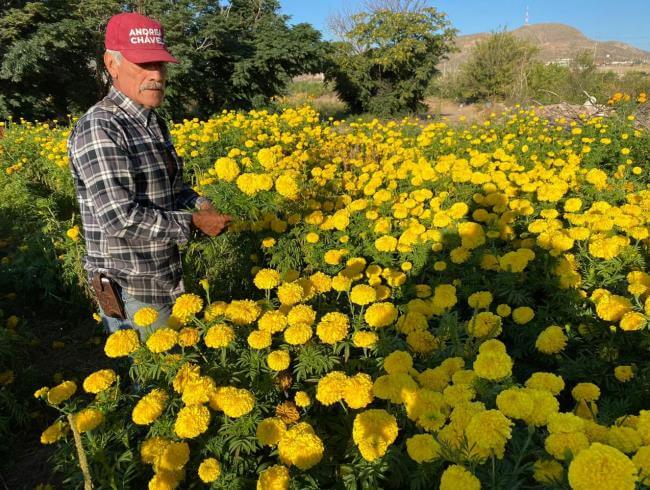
<point>210,221</point>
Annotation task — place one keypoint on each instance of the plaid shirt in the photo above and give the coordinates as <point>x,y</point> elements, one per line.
<point>132,210</point>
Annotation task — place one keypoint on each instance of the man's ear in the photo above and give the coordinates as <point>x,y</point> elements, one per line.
<point>111,65</point>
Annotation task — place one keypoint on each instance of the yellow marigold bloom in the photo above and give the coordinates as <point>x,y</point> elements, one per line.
<point>209,470</point>
<point>642,461</point>
<point>73,233</point>
<point>602,467</point>
<point>398,362</point>
<point>186,306</point>
<point>487,434</point>
<point>333,327</point>
<point>515,403</point>
<point>560,444</point>
<point>286,186</point>
<point>373,431</point>
<point>192,421</point>
<point>364,339</point>
<point>493,366</point>
<point>545,381</point>
<point>274,478</point>
<point>88,419</point>
<point>522,315</point>
<point>272,321</point>
<point>226,169</point>
<point>173,458</point>
<point>243,312</point>
<point>152,449</point>
<point>548,472</point>
<point>219,336</point>
<point>480,299</point>
<point>545,405</point>
<point>564,423</point>
<point>331,387</point>
<point>362,294</point>
<point>380,314</point>
<point>436,379</point>
<point>54,432</point>
<point>632,321</point>
<point>198,390</point>
<point>623,373</point>
<point>213,310</point>
<point>612,308</point>
<point>269,431</point>
<point>551,340</point>
<point>298,334</point>
<point>422,448</point>
<point>188,336</point>
<point>278,360</point>
<point>145,316</point>
<point>643,426</point>
<point>358,391</point>
<point>99,381</point>
<point>321,281</point>
<point>302,399</point>
<point>259,339</point>
<point>456,477</point>
<point>341,283</point>
<point>149,407</point>
<point>625,439</point>
<point>301,314</point>
<point>61,392</point>
<point>122,343</point>
<point>234,402</point>
<point>266,279</point>
<point>484,324</point>
<point>163,479</point>
<point>162,340</point>
<point>587,392</point>
<point>290,293</point>
<point>300,446</point>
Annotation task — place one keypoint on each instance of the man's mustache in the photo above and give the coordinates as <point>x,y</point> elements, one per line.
<point>152,86</point>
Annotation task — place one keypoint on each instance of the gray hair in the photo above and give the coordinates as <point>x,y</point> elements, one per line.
<point>117,56</point>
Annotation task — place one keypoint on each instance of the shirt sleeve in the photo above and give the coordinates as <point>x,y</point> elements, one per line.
<point>101,159</point>
<point>186,198</point>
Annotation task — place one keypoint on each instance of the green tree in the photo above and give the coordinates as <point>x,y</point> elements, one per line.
<point>387,57</point>
<point>498,68</point>
<point>238,54</point>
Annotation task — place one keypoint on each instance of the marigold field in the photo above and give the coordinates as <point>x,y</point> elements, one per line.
<point>400,304</point>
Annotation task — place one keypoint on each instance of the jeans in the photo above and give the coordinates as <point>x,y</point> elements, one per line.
<point>131,305</point>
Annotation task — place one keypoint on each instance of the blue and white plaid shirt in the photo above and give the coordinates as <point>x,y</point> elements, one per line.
<point>133,210</point>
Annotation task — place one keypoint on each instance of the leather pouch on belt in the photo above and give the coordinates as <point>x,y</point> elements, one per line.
<point>108,296</point>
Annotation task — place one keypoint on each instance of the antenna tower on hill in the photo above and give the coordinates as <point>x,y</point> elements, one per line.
<point>527,18</point>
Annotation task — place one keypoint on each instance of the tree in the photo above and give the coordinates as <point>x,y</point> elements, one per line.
<point>498,68</point>
<point>239,55</point>
<point>386,56</point>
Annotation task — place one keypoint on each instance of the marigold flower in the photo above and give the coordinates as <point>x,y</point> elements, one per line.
<point>162,340</point>
<point>234,402</point>
<point>61,392</point>
<point>300,446</point>
<point>270,430</point>
<point>422,448</point>
<point>192,421</point>
<point>266,279</point>
<point>373,431</point>
<point>380,314</point>
<point>357,391</point>
<point>602,467</point>
<point>548,472</point>
<point>456,477</point>
<point>99,381</point>
<point>209,470</point>
<point>88,419</point>
<point>122,343</point>
<point>219,336</point>
<point>149,407</point>
<point>278,360</point>
<point>364,339</point>
<point>186,306</point>
<point>145,316</point>
<point>331,388</point>
<point>551,340</point>
<point>54,432</point>
<point>274,478</point>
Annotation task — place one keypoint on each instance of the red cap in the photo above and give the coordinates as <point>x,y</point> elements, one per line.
<point>139,38</point>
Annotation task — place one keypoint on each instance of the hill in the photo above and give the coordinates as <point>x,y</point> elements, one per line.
<point>557,43</point>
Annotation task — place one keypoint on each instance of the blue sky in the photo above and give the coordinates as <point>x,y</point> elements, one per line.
<point>603,20</point>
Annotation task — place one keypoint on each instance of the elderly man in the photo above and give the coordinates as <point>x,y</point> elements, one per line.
<point>135,208</point>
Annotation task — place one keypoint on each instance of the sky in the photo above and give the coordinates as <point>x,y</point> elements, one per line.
<point>602,20</point>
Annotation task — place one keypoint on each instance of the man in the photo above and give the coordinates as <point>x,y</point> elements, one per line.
<point>134,206</point>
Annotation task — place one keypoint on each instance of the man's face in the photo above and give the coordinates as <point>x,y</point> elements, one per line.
<point>143,83</point>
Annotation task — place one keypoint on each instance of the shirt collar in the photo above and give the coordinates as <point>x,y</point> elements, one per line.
<point>132,108</point>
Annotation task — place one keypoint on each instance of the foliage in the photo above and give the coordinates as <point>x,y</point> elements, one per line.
<point>235,55</point>
<point>498,68</point>
<point>387,58</point>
